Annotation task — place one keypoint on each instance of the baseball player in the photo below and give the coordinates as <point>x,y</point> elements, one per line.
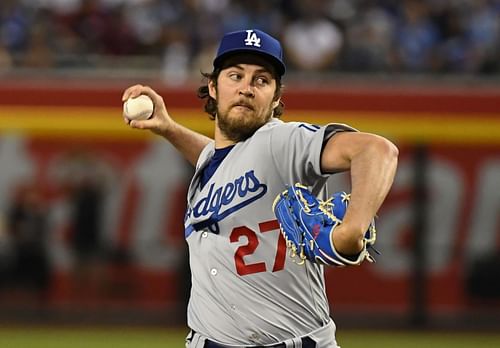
<point>246,291</point>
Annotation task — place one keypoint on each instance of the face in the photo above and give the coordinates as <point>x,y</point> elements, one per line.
<point>244,95</point>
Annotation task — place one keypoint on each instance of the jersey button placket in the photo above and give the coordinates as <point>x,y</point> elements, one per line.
<point>204,234</point>
<point>213,271</point>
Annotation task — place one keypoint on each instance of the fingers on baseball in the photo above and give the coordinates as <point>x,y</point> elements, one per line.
<point>132,92</point>
<point>144,124</point>
<point>136,90</point>
<point>157,99</point>
<point>138,124</point>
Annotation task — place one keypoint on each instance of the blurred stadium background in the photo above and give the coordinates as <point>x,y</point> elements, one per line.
<point>91,236</point>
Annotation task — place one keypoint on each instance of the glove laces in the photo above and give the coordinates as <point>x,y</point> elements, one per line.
<point>326,207</point>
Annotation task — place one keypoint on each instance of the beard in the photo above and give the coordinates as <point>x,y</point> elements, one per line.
<point>240,128</point>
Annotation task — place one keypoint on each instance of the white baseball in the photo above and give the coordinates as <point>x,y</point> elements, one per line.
<point>139,108</point>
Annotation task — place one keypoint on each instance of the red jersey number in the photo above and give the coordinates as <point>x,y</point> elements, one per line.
<point>243,268</point>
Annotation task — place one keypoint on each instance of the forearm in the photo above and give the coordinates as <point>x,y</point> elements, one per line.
<point>189,143</point>
<point>372,168</point>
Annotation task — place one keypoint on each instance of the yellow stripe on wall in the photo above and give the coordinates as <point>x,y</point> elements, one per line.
<point>107,123</point>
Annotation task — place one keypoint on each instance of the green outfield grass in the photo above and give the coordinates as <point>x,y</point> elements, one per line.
<point>30,337</point>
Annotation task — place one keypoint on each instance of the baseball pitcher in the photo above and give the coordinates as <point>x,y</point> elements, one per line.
<point>260,222</point>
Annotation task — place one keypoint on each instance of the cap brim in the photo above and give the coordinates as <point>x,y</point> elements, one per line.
<point>278,65</point>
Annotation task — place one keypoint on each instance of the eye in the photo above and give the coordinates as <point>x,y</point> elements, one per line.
<point>262,81</point>
<point>235,76</point>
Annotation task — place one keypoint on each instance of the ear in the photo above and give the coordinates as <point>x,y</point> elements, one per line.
<point>212,91</point>
<point>276,103</point>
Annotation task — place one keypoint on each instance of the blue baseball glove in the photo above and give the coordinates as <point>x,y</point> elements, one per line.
<point>307,224</point>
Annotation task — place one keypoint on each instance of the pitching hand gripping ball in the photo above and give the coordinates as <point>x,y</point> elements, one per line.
<point>139,108</point>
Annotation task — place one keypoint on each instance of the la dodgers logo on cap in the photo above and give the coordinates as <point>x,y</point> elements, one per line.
<point>251,41</point>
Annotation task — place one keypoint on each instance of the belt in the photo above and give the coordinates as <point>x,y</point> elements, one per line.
<point>306,343</point>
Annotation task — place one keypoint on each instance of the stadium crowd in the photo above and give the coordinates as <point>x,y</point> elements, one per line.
<point>411,36</point>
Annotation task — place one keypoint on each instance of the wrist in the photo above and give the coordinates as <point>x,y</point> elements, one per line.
<point>347,239</point>
<point>166,129</point>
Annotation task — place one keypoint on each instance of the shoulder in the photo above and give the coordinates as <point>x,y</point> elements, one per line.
<point>274,131</point>
<point>276,125</point>
<point>277,129</point>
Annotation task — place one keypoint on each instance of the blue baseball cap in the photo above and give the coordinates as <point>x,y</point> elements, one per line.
<point>251,41</point>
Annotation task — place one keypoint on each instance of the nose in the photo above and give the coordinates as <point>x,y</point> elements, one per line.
<point>247,90</point>
<point>248,93</point>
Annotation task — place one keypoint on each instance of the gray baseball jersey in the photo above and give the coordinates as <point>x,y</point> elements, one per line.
<point>245,288</point>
